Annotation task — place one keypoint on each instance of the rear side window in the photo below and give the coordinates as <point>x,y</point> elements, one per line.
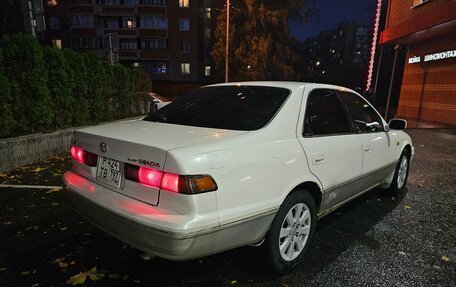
<point>224,107</point>
<point>325,114</point>
<point>364,117</point>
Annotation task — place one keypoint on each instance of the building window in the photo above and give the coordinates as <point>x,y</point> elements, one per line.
<point>154,44</point>
<point>128,22</point>
<point>128,44</point>
<point>154,22</point>
<point>54,22</point>
<point>207,32</point>
<point>184,3</point>
<point>153,2</point>
<point>207,13</point>
<point>207,71</point>
<point>159,68</point>
<point>81,20</point>
<point>185,68</point>
<point>184,24</point>
<point>57,43</point>
<point>84,43</point>
<point>111,23</point>
<point>185,47</point>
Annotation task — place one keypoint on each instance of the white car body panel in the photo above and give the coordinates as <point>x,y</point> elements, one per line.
<point>254,172</point>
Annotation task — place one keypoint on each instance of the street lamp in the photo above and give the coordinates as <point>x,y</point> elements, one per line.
<point>227,38</point>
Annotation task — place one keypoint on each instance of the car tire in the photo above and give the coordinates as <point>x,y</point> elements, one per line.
<point>400,174</point>
<point>291,231</point>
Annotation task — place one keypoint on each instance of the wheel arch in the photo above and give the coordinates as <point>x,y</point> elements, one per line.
<point>313,188</point>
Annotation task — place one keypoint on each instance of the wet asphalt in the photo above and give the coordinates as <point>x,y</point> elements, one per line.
<point>376,240</point>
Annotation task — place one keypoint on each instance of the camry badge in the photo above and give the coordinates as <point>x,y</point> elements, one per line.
<point>103,147</point>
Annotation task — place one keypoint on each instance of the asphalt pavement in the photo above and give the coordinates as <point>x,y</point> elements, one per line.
<point>376,240</point>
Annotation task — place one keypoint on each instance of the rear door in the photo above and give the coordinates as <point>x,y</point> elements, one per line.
<point>333,150</point>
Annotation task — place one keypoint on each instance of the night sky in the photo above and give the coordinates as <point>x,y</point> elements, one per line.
<point>332,12</point>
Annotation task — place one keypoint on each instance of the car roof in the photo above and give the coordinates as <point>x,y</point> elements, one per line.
<point>284,84</point>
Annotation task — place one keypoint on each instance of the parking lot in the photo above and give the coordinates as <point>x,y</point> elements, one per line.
<point>376,240</point>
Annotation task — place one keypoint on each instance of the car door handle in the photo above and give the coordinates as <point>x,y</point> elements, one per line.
<point>368,148</point>
<point>318,159</point>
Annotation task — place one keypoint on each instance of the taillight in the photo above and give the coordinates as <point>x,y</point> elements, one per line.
<point>83,156</point>
<point>187,184</point>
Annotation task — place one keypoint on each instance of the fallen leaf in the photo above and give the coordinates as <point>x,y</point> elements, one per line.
<point>3,269</point>
<point>3,175</point>
<point>401,253</point>
<point>38,169</point>
<point>35,285</point>
<point>78,279</point>
<point>63,228</point>
<point>445,258</point>
<point>55,204</point>
<point>407,206</point>
<point>63,264</point>
<point>7,223</point>
<point>114,276</point>
<point>25,273</point>
<point>233,282</point>
<point>53,190</point>
<point>58,260</point>
<point>94,275</point>
<point>72,262</point>
<point>125,277</point>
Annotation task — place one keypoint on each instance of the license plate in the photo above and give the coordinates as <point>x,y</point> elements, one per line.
<point>109,171</point>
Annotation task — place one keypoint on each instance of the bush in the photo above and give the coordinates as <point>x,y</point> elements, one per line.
<point>43,88</point>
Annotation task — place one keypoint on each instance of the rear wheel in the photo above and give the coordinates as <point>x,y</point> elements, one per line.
<point>400,174</point>
<point>291,231</point>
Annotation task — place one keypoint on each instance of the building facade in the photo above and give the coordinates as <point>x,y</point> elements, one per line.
<point>426,29</point>
<point>171,40</point>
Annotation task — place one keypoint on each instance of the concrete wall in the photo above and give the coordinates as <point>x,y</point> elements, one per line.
<point>19,151</point>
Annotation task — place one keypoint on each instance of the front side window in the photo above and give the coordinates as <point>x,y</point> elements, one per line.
<point>225,107</point>
<point>184,24</point>
<point>325,114</point>
<point>364,117</point>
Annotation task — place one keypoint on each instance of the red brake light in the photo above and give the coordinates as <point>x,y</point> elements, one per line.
<point>170,181</point>
<point>150,176</point>
<point>83,156</point>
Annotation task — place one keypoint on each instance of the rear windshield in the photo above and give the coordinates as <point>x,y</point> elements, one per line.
<point>224,107</point>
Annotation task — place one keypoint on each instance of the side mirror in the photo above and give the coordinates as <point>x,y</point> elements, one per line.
<point>397,124</point>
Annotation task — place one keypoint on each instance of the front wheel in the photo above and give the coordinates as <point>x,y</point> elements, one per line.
<point>291,231</point>
<point>400,174</point>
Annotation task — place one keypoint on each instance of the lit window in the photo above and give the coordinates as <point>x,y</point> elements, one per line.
<point>185,47</point>
<point>207,71</point>
<point>207,13</point>
<point>159,68</point>
<point>54,22</point>
<point>128,22</point>
<point>185,68</point>
<point>184,24</point>
<point>184,3</point>
<point>57,43</point>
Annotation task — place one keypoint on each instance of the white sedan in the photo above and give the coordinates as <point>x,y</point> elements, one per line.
<point>235,164</point>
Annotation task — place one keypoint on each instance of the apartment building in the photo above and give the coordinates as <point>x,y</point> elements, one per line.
<point>171,40</point>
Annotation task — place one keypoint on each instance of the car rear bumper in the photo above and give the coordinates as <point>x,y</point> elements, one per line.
<point>160,241</point>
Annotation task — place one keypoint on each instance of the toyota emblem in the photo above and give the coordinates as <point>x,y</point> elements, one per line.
<point>103,147</point>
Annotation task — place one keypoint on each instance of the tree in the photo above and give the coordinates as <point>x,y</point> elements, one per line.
<point>24,64</point>
<point>60,84</point>
<point>261,47</point>
<point>6,115</point>
<point>81,100</point>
